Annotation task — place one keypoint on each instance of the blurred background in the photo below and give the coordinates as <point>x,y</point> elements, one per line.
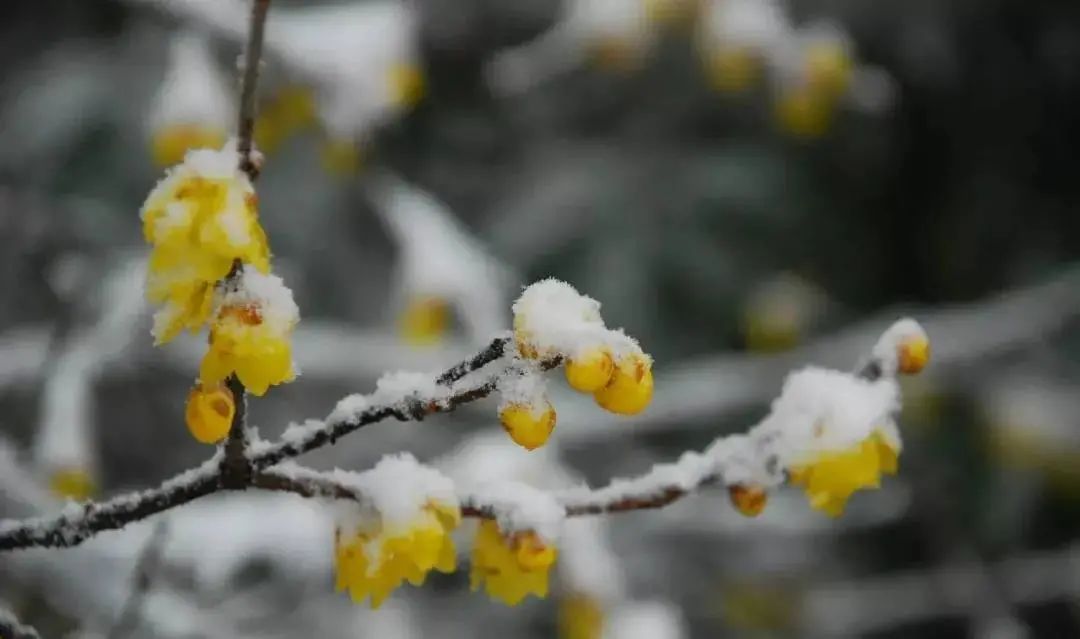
<point>747,186</point>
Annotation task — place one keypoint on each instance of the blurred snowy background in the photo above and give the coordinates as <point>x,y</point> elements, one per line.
<point>745,185</point>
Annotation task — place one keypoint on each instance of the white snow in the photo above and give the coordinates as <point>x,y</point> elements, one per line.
<point>827,410</point>
<point>526,386</point>
<point>270,294</point>
<point>398,489</point>
<point>194,91</point>
<point>886,350</point>
<point>520,507</point>
<point>557,320</point>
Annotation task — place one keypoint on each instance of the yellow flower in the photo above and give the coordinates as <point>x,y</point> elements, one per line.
<point>591,371</point>
<point>257,351</point>
<point>72,483</point>
<point>510,568</point>
<point>748,499</point>
<point>631,387</point>
<point>199,219</point>
<point>209,412</point>
<point>424,321</point>
<point>580,617</point>
<point>831,477</point>
<point>169,145</point>
<point>373,563</point>
<point>527,426</point>
<point>291,110</point>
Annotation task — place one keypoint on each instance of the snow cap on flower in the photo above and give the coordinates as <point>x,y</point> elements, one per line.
<point>250,335</point>
<point>400,534</point>
<point>835,433</point>
<point>903,348</point>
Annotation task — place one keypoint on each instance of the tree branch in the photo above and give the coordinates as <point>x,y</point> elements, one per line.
<point>245,126</point>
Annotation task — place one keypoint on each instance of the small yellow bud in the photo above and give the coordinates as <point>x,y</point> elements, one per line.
<point>749,500</point>
<point>72,483</point>
<point>590,372</point>
<point>424,321</point>
<point>170,144</point>
<point>527,428</point>
<point>209,412</point>
<point>913,354</point>
<point>630,389</point>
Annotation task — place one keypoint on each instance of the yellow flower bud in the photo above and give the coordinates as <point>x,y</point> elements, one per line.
<point>526,427</point>
<point>828,68</point>
<point>912,355</point>
<point>169,145</point>
<point>749,500</point>
<point>72,483</point>
<point>424,321</point>
<point>590,372</point>
<point>630,389</point>
<point>209,412</point>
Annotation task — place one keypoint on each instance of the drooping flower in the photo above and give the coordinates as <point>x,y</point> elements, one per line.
<point>830,478</point>
<point>375,561</point>
<point>400,534</point>
<point>250,336</point>
<point>199,219</point>
<point>510,567</point>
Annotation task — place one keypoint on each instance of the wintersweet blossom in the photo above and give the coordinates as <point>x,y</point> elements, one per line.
<point>400,534</point>
<point>836,433</point>
<point>373,562</point>
<point>510,567</point>
<point>529,425</point>
<point>250,336</point>
<point>199,219</point>
<point>72,483</point>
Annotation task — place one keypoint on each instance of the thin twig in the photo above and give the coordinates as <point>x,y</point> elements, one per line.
<point>245,126</point>
<point>146,567</point>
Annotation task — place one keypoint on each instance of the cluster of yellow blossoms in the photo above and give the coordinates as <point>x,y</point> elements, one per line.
<point>553,321</point>
<point>405,532</point>
<point>210,266</point>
